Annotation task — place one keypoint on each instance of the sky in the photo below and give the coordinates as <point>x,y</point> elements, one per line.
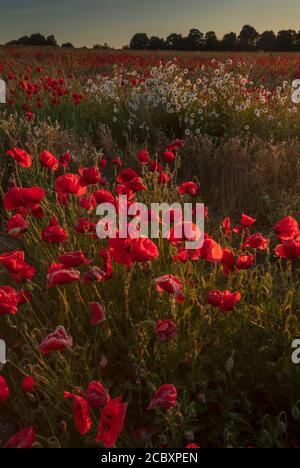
<point>89,22</point>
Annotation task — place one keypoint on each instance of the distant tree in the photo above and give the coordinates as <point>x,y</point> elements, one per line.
<point>266,41</point>
<point>37,40</point>
<point>104,46</point>
<point>286,40</point>
<point>248,37</point>
<point>211,41</point>
<point>24,40</point>
<point>156,43</point>
<point>51,41</point>
<point>175,42</point>
<point>297,41</point>
<point>68,45</point>
<point>229,42</point>
<point>194,40</point>
<point>139,41</point>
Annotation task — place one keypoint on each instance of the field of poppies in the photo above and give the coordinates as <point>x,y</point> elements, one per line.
<point>140,342</point>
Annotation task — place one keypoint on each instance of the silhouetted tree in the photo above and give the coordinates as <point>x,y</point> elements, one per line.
<point>175,42</point>
<point>286,40</point>
<point>194,40</point>
<point>211,41</point>
<point>51,41</point>
<point>156,43</point>
<point>229,42</point>
<point>35,40</point>
<point>266,41</point>
<point>68,45</point>
<point>248,38</point>
<point>139,41</point>
<point>297,41</point>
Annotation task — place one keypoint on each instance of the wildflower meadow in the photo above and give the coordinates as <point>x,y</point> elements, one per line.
<point>135,341</point>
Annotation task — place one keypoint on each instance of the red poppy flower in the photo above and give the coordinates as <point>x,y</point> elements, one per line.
<point>188,188</point>
<point>169,157</point>
<point>135,185</point>
<point>105,254</point>
<point>15,264</point>
<point>228,261</point>
<point>38,212</point>
<point>27,273</point>
<point>172,285</point>
<point>98,313</point>
<point>13,261</point>
<point>94,274</point>
<point>247,221</point>
<point>211,251</point>
<point>143,250</point>
<point>120,252</point>
<point>227,227</point>
<point>4,390</point>
<point>88,202</point>
<point>128,251</point>
<point>225,301</point>
<point>184,232</point>
<point>97,395</point>
<point>9,300</point>
<point>56,341</point>
<point>287,229</point>
<point>81,412</point>
<point>22,440</point>
<point>165,397</point>
<point>127,176</point>
<point>256,241</point>
<point>245,262</point>
<point>29,115</point>
<point>155,166</point>
<point>74,259</point>
<point>28,384</point>
<point>289,250</point>
<point>165,330</point>
<point>23,198</point>
<point>65,160</point>
<point>68,184</point>
<point>89,176</point>
<point>85,226</point>
<point>144,157</point>
<point>58,274</point>
<point>117,162</point>
<point>16,226</point>
<point>163,178</point>
<point>104,196</point>
<point>54,233</point>
<point>21,157</point>
<point>111,423</point>
<point>49,161</point>
<point>192,446</point>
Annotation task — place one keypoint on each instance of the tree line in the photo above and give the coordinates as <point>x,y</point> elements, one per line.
<point>38,39</point>
<point>248,40</point>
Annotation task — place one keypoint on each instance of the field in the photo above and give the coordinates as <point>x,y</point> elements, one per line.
<point>141,342</point>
